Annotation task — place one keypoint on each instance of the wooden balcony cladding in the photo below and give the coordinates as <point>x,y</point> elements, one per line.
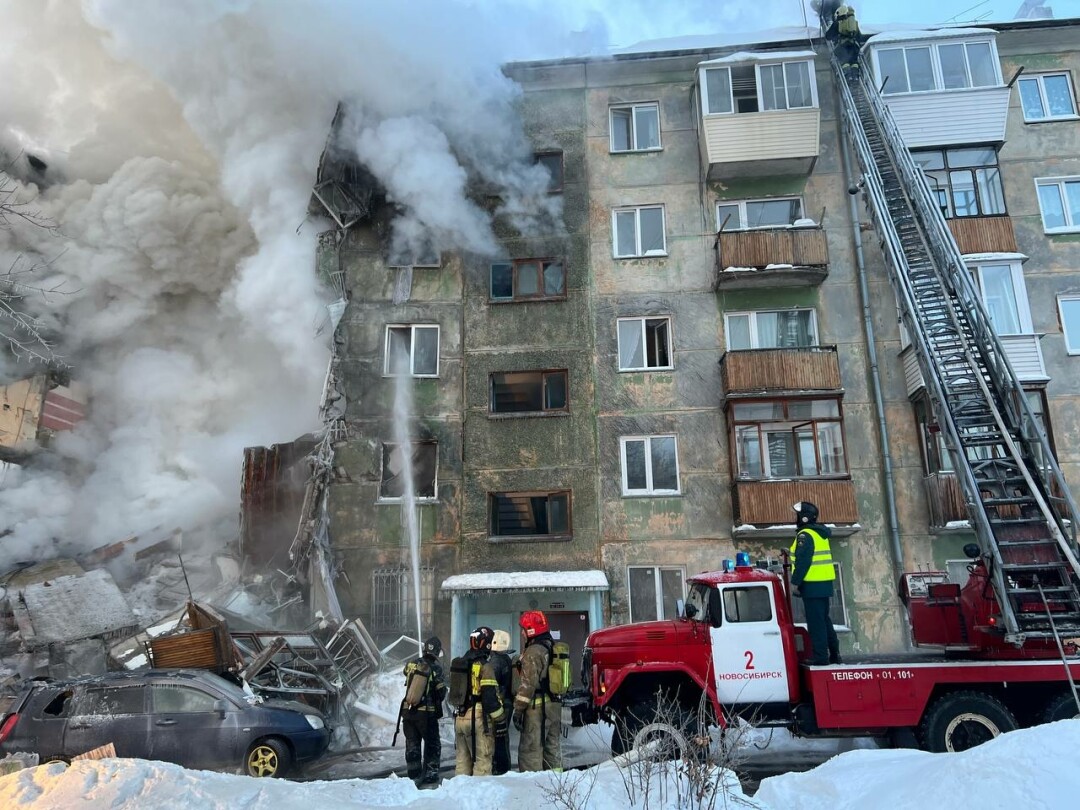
<point>944,499</point>
<point>771,257</point>
<point>984,234</point>
<point>768,503</point>
<point>813,368</point>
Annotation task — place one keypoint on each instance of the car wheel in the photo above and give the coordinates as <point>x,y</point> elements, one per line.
<point>667,733</point>
<point>962,720</point>
<point>1063,707</point>
<point>268,758</point>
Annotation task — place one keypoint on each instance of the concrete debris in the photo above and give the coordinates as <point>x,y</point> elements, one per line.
<point>72,608</point>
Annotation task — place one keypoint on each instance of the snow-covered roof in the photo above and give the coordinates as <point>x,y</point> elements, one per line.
<point>504,581</point>
<point>760,56</point>
<point>76,607</point>
<point>699,42</point>
<point>923,33</point>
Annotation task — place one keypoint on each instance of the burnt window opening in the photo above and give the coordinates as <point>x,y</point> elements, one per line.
<point>553,162</point>
<point>529,514</point>
<point>529,392</point>
<point>528,280</point>
<point>424,458</point>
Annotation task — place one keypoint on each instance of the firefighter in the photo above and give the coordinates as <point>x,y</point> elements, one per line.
<point>481,717</point>
<point>845,32</point>
<point>812,579</point>
<point>420,712</point>
<point>537,715</point>
<point>500,662</point>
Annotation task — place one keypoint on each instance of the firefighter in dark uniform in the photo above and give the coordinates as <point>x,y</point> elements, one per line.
<point>537,713</point>
<point>501,664</point>
<point>482,719</point>
<point>812,579</point>
<point>844,32</point>
<point>420,720</point>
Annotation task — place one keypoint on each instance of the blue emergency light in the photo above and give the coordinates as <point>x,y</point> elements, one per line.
<point>742,559</point>
<point>727,565</point>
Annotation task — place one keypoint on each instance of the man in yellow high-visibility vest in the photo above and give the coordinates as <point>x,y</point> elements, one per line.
<point>812,579</point>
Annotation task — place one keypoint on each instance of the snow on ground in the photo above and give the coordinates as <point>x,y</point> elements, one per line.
<point>1033,768</point>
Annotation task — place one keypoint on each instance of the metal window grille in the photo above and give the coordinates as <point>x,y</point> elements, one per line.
<point>393,608</point>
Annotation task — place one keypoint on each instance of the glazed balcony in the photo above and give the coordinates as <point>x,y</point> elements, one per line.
<point>773,371</point>
<point>771,257</point>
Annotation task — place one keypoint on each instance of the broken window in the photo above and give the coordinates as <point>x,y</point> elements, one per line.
<point>751,88</point>
<point>393,600</point>
<point>528,280</point>
<point>654,592</point>
<point>412,351</point>
<point>797,438</point>
<point>524,514</point>
<point>528,391</point>
<point>639,232</point>
<point>644,344</point>
<point>635,127</point>
<point>59,706</point>
<point>650,465</point>
<point>553,162</point>
<point>112,701</point>
<point>424,460</point>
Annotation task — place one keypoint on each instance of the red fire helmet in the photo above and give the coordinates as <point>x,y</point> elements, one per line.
<point>533,622</point>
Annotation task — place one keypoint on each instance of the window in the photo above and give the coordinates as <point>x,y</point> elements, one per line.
<point>788,438</point>
<point>123,700</point>
<point>752,88</point>
<point>770,329</point>
<point>1005,297</point>
<point>529,514</point>
<point>528,280</point>
<point>180,699</point>
<point>650,465</point>
<point>639,232</point>
<point>655,592</point>
<point>529,391</point>
<point>1047,96</point>
<point>1059,201</point>
<point>966,182</point>
<point>1069,310</point>
<point>644,344</point>
<point>553,162</point>
<point>748,214</point>
<point>944,66</point>
<point>393,601</point>
<point>635,128</point>
<point>422,464</point>
<point>837,605</point>
<point>412,351</point>
<point>751,604</point>
<point>424,256</point>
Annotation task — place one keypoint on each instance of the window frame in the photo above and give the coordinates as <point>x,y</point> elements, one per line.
<point>1059,182</point>
<point>783,63</point>
<point>633,107</point>
<point>742,204</point>
<point>649,491</point>
<point>553,188</point>
<point>413,327</point>
<point>737,603</point>
<point>948,188</point>
<point>515,265</point>
<point>935,65</point>
<point>1038,78</point>
<point>1019,291</point>
<point>544,411</point>
<point>390,499</point>
<point>755,338</point>
<point>658,581</point>
<point>1064,329</point>
<point>637,209</point>
<point>766,466</point>
<point>519,538</point>
<point>839,599</point>
<point>645,354</point>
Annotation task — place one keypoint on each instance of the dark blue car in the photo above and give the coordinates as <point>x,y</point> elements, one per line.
<point>191,717</point>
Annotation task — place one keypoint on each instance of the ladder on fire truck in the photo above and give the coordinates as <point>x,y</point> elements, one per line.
<point>1020,507</point>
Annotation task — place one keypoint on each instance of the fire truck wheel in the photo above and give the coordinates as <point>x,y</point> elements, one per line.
<point>1063,707</point>
<point>962,720</point>
<point>669,732</point>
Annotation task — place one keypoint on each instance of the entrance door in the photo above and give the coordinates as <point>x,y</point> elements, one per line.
<point>571,626</point>
<point>748,651</point>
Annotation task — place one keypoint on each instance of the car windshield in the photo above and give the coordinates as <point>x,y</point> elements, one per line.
<point>697,602</point>
<point>242,694</point>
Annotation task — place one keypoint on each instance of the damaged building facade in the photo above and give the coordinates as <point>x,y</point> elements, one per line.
<point>602,412</point>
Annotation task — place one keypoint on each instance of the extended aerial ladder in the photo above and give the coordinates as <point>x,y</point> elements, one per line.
<point>1021,510</point>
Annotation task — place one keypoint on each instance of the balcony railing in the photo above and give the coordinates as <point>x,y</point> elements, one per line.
<point>945,500</point>
<point>771,257</point>
<point>753,371</point>
<point>768,503</point>
<point>983,234</point>
<point>772,143</point>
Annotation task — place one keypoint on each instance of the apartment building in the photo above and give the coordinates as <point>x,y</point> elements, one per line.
<point>605,411</point>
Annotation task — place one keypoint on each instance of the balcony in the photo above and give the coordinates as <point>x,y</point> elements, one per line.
<point>945,500</point>
<point>763,508</point>
<point>983,234</point>
<point>771,257</point>
<point>774,371</point>
<point>1024,353</point>
<point>772,143</point>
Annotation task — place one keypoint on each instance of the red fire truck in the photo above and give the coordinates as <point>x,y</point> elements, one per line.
<point>737,652</point>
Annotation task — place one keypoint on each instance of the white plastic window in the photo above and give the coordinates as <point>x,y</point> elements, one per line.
<point>635,128</point>
<point>1059,202</point>
<point>650,465</point>
<point>1047,96</point>
<point>639,232</point>
<point>412,351</point>
<point>644,344</point>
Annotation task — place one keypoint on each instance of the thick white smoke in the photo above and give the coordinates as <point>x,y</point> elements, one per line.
<point>182,139</point>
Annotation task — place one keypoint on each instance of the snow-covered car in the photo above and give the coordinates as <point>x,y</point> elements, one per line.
<point>191,717</point>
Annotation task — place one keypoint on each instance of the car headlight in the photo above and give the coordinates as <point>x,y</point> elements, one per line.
<point>315,721</point>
